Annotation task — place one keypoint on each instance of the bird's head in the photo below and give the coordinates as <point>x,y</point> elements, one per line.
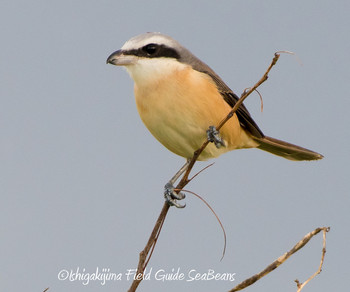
<point>153,55</point>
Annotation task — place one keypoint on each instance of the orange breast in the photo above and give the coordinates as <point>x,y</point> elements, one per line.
<point>178,109</point>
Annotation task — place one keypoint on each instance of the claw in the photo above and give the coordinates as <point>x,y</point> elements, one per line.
<point>214,136</point>
<point>171,196</point>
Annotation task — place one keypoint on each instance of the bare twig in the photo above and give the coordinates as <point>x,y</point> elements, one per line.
<point>199,172</point>
<point>216,216</point>
<point>261,101</point>
<point>283,258</point>
<point>144,254</point>
<point>291,53</point>
<point>301,285</point>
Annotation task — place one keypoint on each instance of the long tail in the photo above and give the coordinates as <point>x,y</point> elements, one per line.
<point>286,150</point>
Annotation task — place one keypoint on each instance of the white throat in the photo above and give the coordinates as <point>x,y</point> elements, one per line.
<point>149,70</point>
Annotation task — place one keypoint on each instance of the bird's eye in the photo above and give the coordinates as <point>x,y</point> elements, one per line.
<point>150,49</point>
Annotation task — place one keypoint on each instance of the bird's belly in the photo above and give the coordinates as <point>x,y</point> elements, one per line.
<point>179,114</point>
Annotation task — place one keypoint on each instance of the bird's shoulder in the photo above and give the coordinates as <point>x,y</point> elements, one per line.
<point>230,97</point>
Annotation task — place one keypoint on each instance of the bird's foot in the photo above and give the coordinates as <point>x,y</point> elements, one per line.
<point>171,196</point>
<point>214,136</point>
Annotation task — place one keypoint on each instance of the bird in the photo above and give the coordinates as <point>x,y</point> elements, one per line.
<point>180,99</point>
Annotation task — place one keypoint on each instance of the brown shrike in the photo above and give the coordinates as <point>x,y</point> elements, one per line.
<point>180,99</point>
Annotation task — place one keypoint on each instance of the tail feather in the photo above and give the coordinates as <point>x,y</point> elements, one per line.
<point>286,150</point>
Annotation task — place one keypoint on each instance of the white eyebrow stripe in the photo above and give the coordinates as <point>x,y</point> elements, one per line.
<point>147,38</point>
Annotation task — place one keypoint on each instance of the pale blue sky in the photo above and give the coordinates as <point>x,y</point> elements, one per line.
<point>81,178</point>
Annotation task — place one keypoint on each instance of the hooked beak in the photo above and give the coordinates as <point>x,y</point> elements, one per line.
<point>119,59</point>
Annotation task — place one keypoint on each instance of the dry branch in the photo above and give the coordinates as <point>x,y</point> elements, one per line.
<point>284,257</point>
<point>147,251</point>
<point>302,285</point>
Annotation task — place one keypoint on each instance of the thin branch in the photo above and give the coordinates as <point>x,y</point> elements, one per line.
<point>151,242</point>
<point>144,254</point>
<point>291,53</point>
<point>302,285</point>
<point>283,258</point>
<point>154,244</point>
<point>216,216</point>
<point>261,101</point>
<point>199,172</point>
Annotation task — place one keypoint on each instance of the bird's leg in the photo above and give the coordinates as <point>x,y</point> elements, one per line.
<point>169,193</point>
<point>213,135</point>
